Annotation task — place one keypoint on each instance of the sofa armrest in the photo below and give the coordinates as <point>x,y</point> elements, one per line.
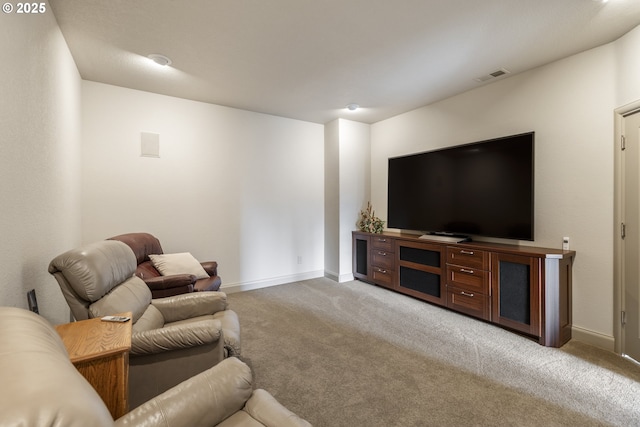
<point>205,399</point>
<point>211,267</point>
<point>167,282</point>
<point>175,337</point>
<point>263,407</point>
<point>186,306</point>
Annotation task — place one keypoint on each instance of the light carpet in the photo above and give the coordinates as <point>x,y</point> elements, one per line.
<point>354,354</point>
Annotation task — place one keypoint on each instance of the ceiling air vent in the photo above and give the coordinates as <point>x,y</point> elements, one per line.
<point>495,74</point>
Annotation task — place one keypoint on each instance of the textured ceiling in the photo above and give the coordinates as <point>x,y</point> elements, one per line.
<point>308,59</point>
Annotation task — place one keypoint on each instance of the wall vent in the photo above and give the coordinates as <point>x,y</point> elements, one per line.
<point>493,75</point>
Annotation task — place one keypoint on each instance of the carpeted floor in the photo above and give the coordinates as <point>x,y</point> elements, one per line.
<point>353,354</point>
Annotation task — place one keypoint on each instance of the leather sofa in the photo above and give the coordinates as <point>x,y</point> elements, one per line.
<point>172,339</point>
<point>145,244</point>
<point>41,387</point>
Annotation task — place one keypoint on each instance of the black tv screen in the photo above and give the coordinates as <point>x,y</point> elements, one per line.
<point>483,188</point>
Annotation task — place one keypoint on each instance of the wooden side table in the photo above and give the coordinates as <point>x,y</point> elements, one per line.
<point>100,352</point>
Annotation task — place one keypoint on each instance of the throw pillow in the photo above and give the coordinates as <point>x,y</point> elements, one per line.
<point>180,263</point>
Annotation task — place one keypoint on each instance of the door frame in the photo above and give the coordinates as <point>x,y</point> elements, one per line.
<point>618,210</point>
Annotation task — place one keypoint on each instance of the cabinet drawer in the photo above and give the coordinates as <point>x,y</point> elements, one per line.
<point>468,278</point>
<point>471,303</point>
<point>382,243</point>
<point>468,258</point>
<point>383,259</point>
<point>382,276</point>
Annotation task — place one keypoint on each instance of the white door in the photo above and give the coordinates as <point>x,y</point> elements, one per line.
<point>631,242</point>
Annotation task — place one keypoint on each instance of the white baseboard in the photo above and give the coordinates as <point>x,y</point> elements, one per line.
<point>331,275</point>
<point>346,278</point>
<point>258,284</point>
<point>596,339</point>
<point>340,278</point>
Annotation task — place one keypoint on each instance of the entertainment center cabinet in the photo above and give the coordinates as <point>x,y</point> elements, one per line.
<point>522,288</point>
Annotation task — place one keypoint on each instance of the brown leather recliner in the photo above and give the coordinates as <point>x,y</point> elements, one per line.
<point>145,244</point>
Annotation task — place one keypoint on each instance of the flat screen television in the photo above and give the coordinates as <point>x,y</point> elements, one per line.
<point>485,188</point>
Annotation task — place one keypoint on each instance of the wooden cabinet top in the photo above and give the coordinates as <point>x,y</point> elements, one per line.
<point>523,250</point>
<point>90,339</point>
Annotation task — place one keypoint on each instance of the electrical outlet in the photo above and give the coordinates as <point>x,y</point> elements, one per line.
<point>565,243</point>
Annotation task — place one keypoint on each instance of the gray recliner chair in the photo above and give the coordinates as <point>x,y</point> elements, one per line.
<point>41,387</point>
<point>173,338</point>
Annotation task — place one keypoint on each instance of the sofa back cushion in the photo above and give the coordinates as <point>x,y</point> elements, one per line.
<point>40,386</point>
<point>93,270</point>
<point>142,245</point>
<point>132,295</point>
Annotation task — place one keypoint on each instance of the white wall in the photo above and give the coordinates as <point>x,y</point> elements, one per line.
<point>355,186</point>
<point>39,166</point>
<point>569,105</point>
<point>347,189</point>
<point>332,200</point>
<point>242,188</point>
<point>628,68</point>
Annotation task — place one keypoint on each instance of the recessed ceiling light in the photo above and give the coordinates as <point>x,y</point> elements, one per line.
<point>353,107</point>
<point>159,59</point>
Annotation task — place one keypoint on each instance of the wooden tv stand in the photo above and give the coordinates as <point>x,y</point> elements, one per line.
<point>522,288</point>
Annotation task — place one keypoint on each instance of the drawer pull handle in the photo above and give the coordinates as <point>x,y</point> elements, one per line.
<point>382,240</point>
<point>466,294</point>
<point>462,251</point>
<point>382,271</point>
<point>382,253</point>
<point>464,270</point>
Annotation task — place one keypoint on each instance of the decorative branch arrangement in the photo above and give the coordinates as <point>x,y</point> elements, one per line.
<point>369,222</point>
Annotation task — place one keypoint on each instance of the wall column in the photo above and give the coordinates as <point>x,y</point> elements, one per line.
<point>347,191</point>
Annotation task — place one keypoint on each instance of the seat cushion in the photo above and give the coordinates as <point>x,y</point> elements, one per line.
<point>151,319</point>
